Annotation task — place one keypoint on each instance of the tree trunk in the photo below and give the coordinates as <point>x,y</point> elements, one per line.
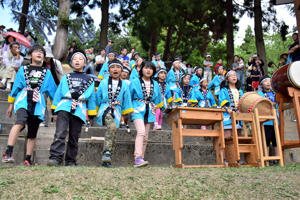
<point>297,12</point>
<point>177,44</point>
<point>25,7</point>
<point>104,24</point>
<point>229,33</point>
<point>168,44</point>
<point>61,38</point>
<point>259,37</point>
<point>153,47</point>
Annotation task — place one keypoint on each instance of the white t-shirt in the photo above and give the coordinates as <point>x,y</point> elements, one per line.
<point>100,58</point>
<point>177,76</point>
<point>147,84</point>
<point>114,85</point>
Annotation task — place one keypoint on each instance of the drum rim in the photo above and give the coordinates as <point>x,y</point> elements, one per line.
<point>295,85</point>
<point>275,72</point>
<point>244,96</point>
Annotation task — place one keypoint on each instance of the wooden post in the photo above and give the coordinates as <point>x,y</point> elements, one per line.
<point>297,11</point>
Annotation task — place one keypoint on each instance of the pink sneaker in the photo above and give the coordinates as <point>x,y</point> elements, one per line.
<point>158,127</point>
<point>203,127</point>
<point>155,127</point>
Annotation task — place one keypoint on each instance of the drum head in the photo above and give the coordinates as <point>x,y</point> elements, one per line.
<point>294,74</point>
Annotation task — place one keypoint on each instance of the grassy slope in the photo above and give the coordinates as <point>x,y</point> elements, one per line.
<point>150,183</point>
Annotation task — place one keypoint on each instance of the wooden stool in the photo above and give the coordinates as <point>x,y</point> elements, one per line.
<point>236,145</point>
<point>293,99</point>
<point>197,116</point>
<point>260,120</point>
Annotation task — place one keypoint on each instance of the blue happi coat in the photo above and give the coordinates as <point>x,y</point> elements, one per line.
<point>131,64</point>
<point>103,74</point>
<point>162,62</point>
<point>179,96</point>
<point>224,100</point>
<point>195,82</point>
<point>167,96</point>
<point>62,100</point>
<point>216,82</point>
<point>134,74</point>
<point>140,107</point>
<point>270,123</point>
<point>197,97</point>
<point>171,79</point>
<point>18,96</point>
<point>102,100</point>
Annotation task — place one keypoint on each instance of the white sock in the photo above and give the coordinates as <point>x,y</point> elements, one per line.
<point>3,81</point>
<point>8,85</point>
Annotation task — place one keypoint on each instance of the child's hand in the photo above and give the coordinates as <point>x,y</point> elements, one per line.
<point>229,111</point>
<point>9,111</point>
<point>55,117</point>
<point>180,102</point>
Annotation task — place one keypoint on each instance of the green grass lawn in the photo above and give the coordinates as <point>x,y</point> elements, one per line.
<point>150,183</point>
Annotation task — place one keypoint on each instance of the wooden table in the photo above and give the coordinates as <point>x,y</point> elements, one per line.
<point>197,116</point>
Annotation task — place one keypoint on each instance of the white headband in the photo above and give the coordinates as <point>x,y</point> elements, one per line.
<point>199,69</point>
<point>264,80</point>
<point>115,64</point>
<point>138,59</point>
<point>80,54</point>
<point>175,62</point>
<point>202,80</point>
<point>111,53</point>
<point>229,73</point>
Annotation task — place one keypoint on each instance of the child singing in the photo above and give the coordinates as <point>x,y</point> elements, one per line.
<point>113,100</point>
<point>265,84</point>
<point>166,97</point>
<point>27,100</point>
<point>75,96</point>
<point>229,97</point>
<point>146,98</point>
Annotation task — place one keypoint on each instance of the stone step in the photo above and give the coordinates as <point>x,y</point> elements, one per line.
<point>4,95</point>
<point>3,117</point>
<point>122,135</point>
<point>158,154</point>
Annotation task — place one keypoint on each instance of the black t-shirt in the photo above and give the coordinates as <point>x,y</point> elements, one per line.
<point>35,73</point>
<point>296,54</point>
<point>78,80</point>
<point>255,73</point>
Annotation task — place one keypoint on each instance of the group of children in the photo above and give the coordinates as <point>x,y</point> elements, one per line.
<point>142,90</point>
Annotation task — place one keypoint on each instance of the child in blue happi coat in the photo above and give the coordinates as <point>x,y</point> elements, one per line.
<point>203,96</point>
<point>113,100</point>
<point>195,80</point>
<point>165,95</point>
<point>133,59</point>
<point>27,100</point>
<point>146,98</point>
<point>174,75</point>
<point>74,98</point>
<point>216,82</point>
<point>229,97</point>
<point>136,69</point>
<point>103,74</point>
<point>266,91</point>
<point>184,91</point>
<point>158,62</point>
